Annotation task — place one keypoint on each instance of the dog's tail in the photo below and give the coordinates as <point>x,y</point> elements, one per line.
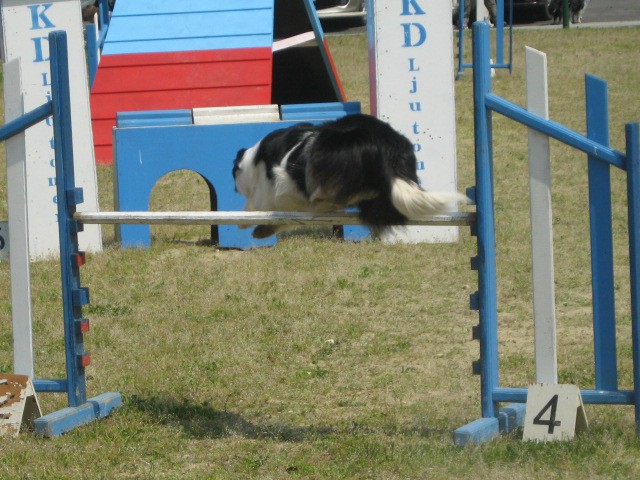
<point>415,203</point>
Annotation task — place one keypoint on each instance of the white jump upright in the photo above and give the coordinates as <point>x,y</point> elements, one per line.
<point>18,237</point>
<point>544,306</point>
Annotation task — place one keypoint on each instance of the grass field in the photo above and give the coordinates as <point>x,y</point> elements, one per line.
<point>322,359</point>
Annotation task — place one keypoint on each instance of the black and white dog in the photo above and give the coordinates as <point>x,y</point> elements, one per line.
<point>555,9</point>
<point>355,161</point>
<point>576,9</point>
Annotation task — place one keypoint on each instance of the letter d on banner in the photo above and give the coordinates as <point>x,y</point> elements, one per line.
<point>414,34</point>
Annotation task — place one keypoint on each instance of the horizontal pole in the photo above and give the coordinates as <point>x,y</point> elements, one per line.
<point>55,386</point>
<point>556,130</point>
<point>26,120</point>
<point>248,219</point>
<point>617,397</point>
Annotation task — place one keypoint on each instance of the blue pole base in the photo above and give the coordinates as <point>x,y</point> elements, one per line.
<point>511,417</point>
<point>476,432</point>
<point>485,429</point>
<point>56,423</point>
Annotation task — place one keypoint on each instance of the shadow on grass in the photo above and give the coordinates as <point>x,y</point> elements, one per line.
<point>203,421</point>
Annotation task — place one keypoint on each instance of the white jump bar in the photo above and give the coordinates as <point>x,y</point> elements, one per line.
<point>255,218</point>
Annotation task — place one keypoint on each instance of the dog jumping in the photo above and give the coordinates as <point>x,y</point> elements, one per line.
<point>355,161</point>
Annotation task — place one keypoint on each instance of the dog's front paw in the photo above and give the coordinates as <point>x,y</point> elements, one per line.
<point>263,231</point>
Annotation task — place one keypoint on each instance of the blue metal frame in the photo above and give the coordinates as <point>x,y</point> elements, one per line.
<point>604,321</point>
<point>499,63</point>
<point>95,42</point>
<point>73,297</point>
<point>600,157</point>
<point>632,132</point>
<point>487,305</point>
<point>80,410</point>
<point>93,49</point>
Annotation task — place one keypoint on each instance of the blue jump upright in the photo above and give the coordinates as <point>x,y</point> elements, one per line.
<point>80,410</point>
<point>600,157</point>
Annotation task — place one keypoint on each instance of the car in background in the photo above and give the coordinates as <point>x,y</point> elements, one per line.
<point>523,10</point>
<point>342,9</point>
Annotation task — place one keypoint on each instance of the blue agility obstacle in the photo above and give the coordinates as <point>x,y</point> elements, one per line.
<point>150,145</point>
<point>600,157</point>
<point>80,410</point>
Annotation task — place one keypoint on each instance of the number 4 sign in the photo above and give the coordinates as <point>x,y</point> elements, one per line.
<point>554,412</point>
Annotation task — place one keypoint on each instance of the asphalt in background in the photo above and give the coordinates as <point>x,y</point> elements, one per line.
<point>599,13</point>
<point>612,11</point>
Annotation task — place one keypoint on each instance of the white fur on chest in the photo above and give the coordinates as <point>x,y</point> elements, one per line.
<point>263,194</point>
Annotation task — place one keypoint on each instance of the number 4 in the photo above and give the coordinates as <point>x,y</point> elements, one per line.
<point>554,412</point>
<point>552,422</point>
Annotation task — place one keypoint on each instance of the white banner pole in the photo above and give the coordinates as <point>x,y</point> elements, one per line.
<point>411,78</point>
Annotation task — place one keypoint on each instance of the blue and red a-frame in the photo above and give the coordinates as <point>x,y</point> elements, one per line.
<point>186,54</point>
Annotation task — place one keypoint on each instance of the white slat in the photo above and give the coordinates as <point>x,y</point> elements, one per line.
<point>18,226</point>
<point>295,41</point>
<point>541,223</point>
<point>253,218</point>
<point>240,114</point>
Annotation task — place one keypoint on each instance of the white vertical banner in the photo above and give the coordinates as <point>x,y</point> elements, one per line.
<point>411,81</point>
<point>25,29</point>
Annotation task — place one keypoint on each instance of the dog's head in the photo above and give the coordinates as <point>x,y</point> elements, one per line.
<point>249,177</point>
